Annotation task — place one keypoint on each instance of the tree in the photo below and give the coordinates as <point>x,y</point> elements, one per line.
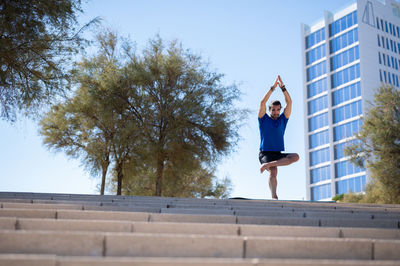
<point>379,147</point>
<point>71,127</point>
<point>37,41</point>
<point>162,117</point>
<point>90,123</point>
<point>186,114</point>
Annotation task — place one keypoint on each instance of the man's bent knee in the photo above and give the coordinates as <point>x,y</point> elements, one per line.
<point>294,157</point>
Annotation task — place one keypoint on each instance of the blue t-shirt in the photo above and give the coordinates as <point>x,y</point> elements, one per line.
<point>271,132</point>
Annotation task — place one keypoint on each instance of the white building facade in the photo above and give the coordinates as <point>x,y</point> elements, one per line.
<point>346,57</point>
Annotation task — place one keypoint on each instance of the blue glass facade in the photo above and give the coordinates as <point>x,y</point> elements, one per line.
<point>321,192</point>
<point>339,148</point>
<point>317,87</point>
<point>320,174</point>
<point>347,130</point>
<point>318,104</point>
<point>346,168</point>
<point>356,184</point>
<point>346,75</point>
<point>346,93</point>
<point>315,54</point>
<point>344,58</point>
<point>343,23</point>
<point>315,38</point>
<point>343,40</point>
<point>319,139</point>
<point>316,71</point>
<point>319,156</point>
<point>340,100</point>
<point>347,111</point>
<point>318,121</point>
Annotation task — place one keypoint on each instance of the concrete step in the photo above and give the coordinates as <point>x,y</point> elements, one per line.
<point>174,202</point>
<point>163,217</point>
<point>178,245</point>
<point>11,223</point>
<point>51,260</point>
<point>204,209</point>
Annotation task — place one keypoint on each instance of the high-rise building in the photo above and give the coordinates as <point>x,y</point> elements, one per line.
<point>346,57</point>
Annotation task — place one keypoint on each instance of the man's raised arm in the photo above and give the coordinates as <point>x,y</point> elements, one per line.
<point>263,108</point>
<point>288,100</point>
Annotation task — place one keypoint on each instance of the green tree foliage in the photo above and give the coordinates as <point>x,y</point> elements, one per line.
<point>162,117</point>
<point>379,147</point>
<point>37,40</point>
<point>92,124</point>
<point>186,114</point>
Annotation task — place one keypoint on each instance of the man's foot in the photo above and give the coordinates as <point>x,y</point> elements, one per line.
<point>275,197</point>
<point>264,167</point>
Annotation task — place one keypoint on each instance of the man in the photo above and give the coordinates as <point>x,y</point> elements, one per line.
<point>272,130</point>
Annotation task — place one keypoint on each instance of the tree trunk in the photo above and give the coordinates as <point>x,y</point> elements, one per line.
<point>103,176</point>
<point>120,175</point>
<point>160,172</point>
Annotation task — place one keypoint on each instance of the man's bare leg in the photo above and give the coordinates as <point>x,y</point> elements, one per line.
<point>273,182</point>
<point>291,158</point>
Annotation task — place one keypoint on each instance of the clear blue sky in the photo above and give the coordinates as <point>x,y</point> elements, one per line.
<point>250,41</point>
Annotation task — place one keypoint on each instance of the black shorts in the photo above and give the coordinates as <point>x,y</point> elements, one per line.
<point>269,156</point>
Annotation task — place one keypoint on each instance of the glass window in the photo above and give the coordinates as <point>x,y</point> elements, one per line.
<point>316,70</point>
<point>377,23</point>
<point>343,23</point>
<point>345,75</point>
<point>319,156</point>
<point>339,148</point>
<point>321,192</point>
<point>343,40</point>
<point>315,38</point>
<point>316,87</point>
<point>318,104</point>
<point>346,168</point>
<point>355,184</point>
<point>347,130</point>
<point>318,139</point>
<point>320,174</point>
<point>347,111</point>
<point>344,58</point>
<point>318,121</point>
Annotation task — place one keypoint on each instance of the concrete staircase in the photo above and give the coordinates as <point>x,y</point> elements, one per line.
<point>76,230</point>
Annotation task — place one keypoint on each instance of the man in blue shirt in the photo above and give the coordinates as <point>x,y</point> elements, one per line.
<point>272,129</point>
